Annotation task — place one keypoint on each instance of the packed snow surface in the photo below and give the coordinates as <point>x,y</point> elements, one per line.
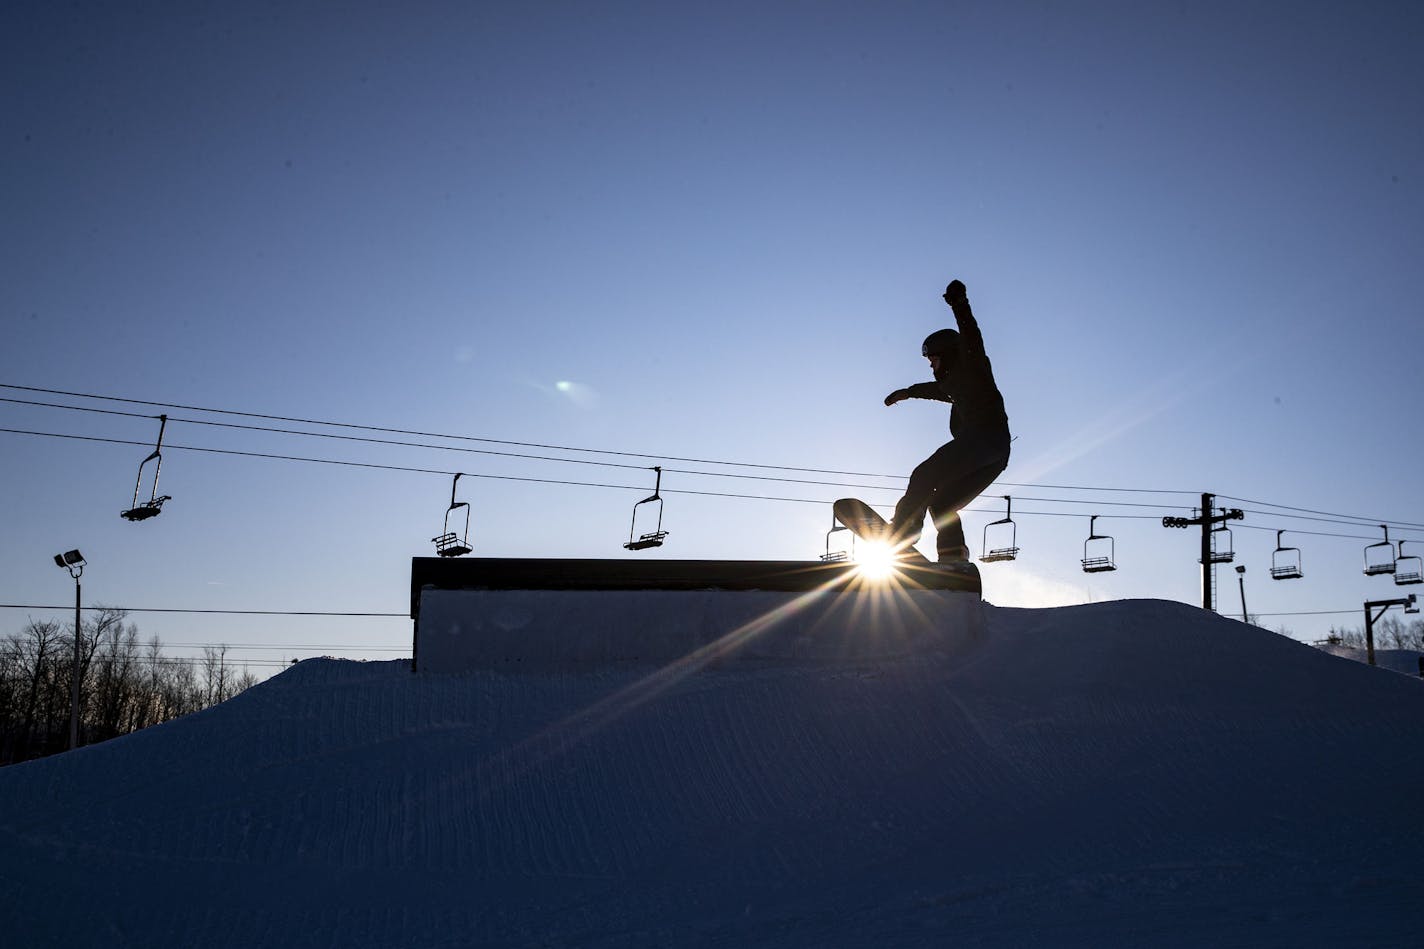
<point>1129,774</point>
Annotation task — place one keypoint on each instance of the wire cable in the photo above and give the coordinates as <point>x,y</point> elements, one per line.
<point>519,444</point>
<point>583,461</point>
<point>472,438</point>
<point>1311,613</point>
<point>415,470</point>
<point>160,609</point>
<point>425,445</point>
<point>1302,513</point>
<point>1272,530</point>
<point>560,482</point>
<point>352,647</point>
<point>516,478</point>
<point>1342,518</point>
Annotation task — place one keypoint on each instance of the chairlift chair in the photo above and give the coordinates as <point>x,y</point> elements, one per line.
<point>1376,563</point>
<point>450,544</point>
<point>1000,554</point>
<point>1221,548</point>
<point>655,537</point>
<point>154,505</point>
<point>845,553</point>
<point>1285,561</point>
<point>1408,570</point>
<point>1097,555</point>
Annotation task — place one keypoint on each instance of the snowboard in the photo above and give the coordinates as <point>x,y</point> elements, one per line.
<point>867,524</point>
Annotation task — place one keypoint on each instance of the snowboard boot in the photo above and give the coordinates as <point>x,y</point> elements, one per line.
<point>903,542</point>
<point>909,555</point>
<point>955,554</point>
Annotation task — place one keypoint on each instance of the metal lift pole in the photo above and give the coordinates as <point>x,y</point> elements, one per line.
<point>1208,568</point>
<point>1370,617</point>
<point>1206,520</point>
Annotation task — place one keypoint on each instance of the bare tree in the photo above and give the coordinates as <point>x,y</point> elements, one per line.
<point>124,686</point>
<point>214,674</point>
<point>34,654</point>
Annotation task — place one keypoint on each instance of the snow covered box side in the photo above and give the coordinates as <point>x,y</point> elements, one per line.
<point>477,613</point>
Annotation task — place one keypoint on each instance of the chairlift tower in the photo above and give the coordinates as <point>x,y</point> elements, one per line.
<point>1207,521</point>
<point>1409,604</point>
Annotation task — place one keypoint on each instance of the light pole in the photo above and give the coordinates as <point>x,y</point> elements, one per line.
<point>73,561</point>
<point>1241,579</point>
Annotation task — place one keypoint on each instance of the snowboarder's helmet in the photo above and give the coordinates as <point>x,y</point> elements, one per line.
<point>940,343</point>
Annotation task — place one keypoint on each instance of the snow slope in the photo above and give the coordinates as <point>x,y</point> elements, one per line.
<point>1133,773</point>
<point>1405,661</point>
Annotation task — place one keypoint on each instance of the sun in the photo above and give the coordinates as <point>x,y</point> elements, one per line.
<point>876,560</point>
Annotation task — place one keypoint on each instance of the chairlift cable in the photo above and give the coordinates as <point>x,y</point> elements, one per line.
<point>1325,518</point>
<point>472,438</point>
<point>1159,507</point>
<point>581,461</point>
<point>398,431</point>
<point>349,647</point>
<point>1342,518</point>
<point>1330,520</point>
<point>1354,612</point>
<point>1328,514</point>
<point>415,470</point>
<point>159,609</point>
<point>1261,527</point>
<point>357,648</point>
<point>494,477</point>
<point>479,451</point>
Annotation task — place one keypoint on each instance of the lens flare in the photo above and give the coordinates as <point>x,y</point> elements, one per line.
<point>876,560</point>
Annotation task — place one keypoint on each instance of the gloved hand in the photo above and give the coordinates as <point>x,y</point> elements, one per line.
<point>955,293</point>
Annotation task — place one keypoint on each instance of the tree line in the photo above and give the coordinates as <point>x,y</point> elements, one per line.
<point>125,684</point>
<point>1389,632</point>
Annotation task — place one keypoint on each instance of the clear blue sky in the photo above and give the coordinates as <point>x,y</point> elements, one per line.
<point>1192,235</point>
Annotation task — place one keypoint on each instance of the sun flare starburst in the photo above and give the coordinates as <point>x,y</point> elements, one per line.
<point>876,560</point>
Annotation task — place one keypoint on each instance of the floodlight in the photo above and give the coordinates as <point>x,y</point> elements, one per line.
<point>1411,606</point>
<point>73,561</point>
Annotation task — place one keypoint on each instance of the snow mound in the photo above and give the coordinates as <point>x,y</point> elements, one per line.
<point>1406,661</point>
<point>1133,773</point>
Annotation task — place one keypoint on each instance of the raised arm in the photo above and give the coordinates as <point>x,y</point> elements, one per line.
<point>958,299</point>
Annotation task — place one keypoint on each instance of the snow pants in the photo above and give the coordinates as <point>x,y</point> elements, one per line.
<point>944,483</point>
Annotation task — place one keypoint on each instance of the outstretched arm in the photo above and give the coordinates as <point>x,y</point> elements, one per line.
<point>958,299</point>
<point>920,390</point>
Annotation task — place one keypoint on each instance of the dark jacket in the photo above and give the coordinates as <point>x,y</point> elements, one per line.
<point>968,384</point>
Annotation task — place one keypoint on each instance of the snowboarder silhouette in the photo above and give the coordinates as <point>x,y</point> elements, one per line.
<point>959,471</point>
